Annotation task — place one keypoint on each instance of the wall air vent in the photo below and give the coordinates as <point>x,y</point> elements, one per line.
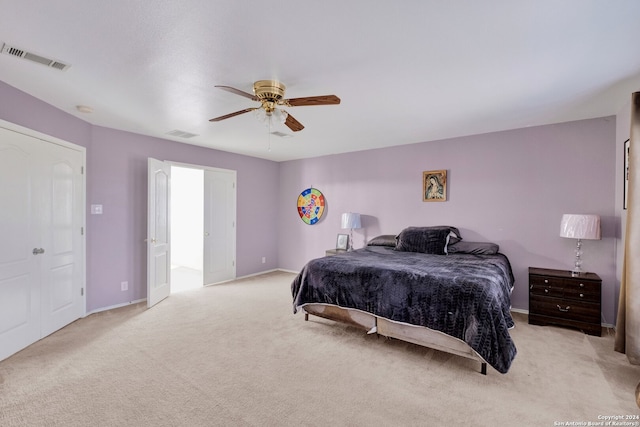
<point>181,134</point>
<point>30,56</point>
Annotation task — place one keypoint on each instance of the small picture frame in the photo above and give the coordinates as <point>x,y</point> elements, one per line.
<point>342,242</point>
<point>434,186</point>
<point>625,191</point>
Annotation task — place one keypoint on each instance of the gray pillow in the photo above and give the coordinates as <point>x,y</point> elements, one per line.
<point>383,240</point>
<point>428,240</point>
<point>477,248</point>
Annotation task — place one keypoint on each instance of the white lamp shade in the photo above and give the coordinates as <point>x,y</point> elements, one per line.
<point>580,226</point>
<point>351,220</point>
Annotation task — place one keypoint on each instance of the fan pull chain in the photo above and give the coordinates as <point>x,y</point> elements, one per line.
<point>269,147</point>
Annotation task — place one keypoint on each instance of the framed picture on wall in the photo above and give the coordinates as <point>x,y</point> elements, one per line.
<point>625,190</point>
<point>434,186</point>
<point>342,242</point>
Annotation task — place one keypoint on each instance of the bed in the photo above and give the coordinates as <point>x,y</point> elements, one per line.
<point>424,286</point>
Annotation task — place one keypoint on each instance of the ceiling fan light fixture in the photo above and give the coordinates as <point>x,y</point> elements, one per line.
<point>279,116</point>
<point>268,118</point>
<point>261,115</point>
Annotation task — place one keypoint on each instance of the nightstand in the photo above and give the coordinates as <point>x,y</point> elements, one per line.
<point>558,298</point>
<point>330,252</point>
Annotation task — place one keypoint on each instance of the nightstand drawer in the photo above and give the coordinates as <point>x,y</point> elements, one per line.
<point>546,286</point>
<point>546,281</point>
<point>582,290</point>
<point>563,309</point>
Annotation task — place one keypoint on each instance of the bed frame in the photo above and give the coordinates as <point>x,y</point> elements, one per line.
<point>419,335</point>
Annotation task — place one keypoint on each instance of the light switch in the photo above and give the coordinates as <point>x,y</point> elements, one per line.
<point>96,209</point>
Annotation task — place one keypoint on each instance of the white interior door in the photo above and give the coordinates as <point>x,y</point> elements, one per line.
<point>19,275</point>
<point>42,248</point>
<point>219,225</point>
<point>158,232</point>
<point>61,220</point>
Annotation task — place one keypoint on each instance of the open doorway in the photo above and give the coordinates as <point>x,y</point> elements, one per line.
<point>187,228</point>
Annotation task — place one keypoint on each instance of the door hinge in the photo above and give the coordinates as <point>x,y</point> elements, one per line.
<point>82,231</point>
<point>233,185</point>
<point>81,292</point>
<point>81,170</point>
<point>233,263</point>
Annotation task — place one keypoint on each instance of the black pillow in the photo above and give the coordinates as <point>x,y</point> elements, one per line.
<point>383,240</point>
<point>478,248</point>
<point>428,240</point>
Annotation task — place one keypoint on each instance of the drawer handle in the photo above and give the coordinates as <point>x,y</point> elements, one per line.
<point>546,280</point>
<point>564,310</point>
<point>581,295</point>
<point>546,291</point>
<point>582,285</point>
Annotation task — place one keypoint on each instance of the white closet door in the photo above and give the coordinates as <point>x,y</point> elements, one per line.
<point>42,251</point>
<point>219,225</point>
<point>61,219</point>
<point>19,274</point>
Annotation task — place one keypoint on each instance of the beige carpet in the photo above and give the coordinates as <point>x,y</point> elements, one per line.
<point>235,355</point>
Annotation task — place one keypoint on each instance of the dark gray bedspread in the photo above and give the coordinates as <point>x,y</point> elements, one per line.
<point>465,296</point>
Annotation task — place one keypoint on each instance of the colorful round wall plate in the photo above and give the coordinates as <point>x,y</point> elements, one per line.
<point>311,205</point>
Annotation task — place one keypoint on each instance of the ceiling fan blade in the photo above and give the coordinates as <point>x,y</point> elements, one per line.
<point>239,92</point>
<point>227,116</point>
<point>293,124</point>
<point>311,100</point>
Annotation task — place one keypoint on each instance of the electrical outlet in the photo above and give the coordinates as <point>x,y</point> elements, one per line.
<point>124,286</point>
<point>264,259</point>
<point>96,209</point>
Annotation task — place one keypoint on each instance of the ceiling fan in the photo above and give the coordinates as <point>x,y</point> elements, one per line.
<point>270,93</point>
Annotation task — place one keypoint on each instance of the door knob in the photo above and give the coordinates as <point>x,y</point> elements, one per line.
<point>38,251</point>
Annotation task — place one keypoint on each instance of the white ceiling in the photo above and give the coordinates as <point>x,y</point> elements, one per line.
<point>406,71</point>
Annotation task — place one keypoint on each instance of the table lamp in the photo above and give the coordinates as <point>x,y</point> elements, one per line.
<point>580,227</point>
<point>351,220</point>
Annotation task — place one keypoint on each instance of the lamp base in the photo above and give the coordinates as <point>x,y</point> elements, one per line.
<point>577,265</point>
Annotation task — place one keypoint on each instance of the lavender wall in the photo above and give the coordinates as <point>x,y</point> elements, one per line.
<point>117,179</point>
<point>507,187</point>
<point>25,110</point>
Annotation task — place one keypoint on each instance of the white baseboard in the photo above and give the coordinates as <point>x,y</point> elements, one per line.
<point>263,272</point>
<point>260,273</point>
<point>288,271</point>
<point>111,307</point>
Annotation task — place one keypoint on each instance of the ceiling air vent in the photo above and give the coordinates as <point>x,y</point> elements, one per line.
<point>181,134</point>
<point>30,56</point>
<point>281,134</point>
